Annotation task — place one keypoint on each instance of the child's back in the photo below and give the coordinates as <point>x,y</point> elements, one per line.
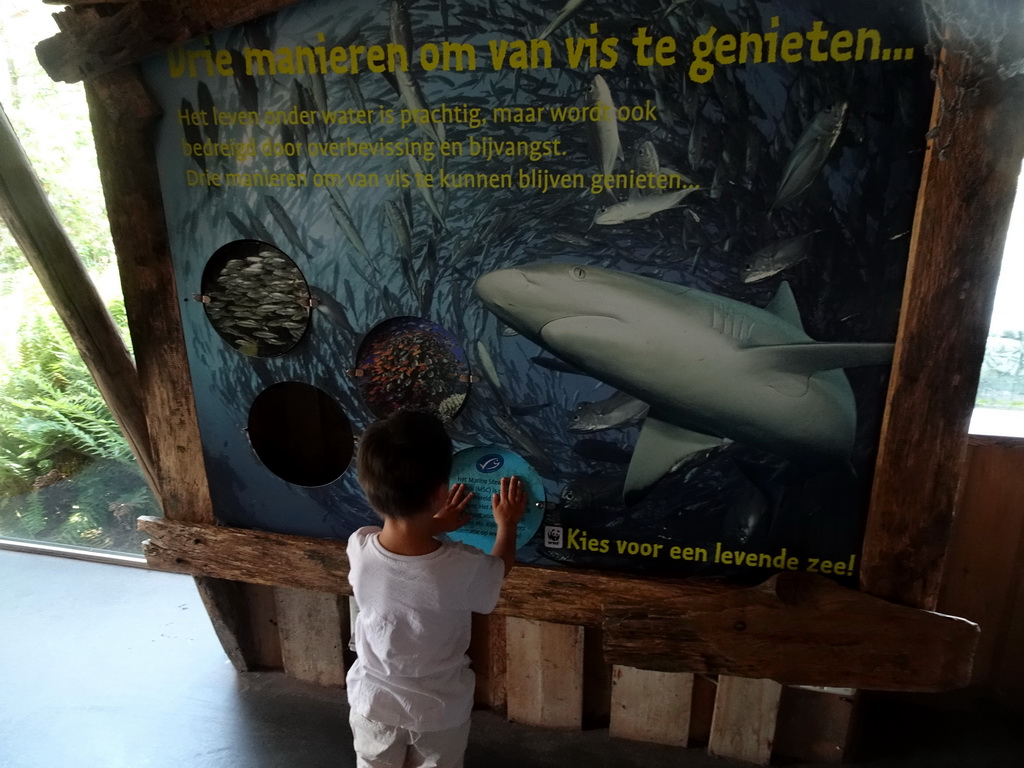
<point>411,688</point>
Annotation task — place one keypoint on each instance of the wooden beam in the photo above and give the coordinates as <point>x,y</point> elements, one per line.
<point>972,162</point>
<point>488,656</point>
<point>91,44</point>
<point>123,118</point>
<point>32,221</point>
<point>277,559</point>
<point>796,628</point>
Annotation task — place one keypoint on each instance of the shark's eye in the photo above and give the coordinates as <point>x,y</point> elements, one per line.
<point>578,273</point>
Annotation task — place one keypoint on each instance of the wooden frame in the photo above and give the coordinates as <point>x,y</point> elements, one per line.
<point>963,209</point>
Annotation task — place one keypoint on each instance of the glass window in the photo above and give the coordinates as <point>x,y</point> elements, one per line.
<point>67,475</point>
<point>1000,402</point>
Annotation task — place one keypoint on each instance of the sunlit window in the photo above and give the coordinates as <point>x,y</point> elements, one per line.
<point>67,476</point>
<point>1000,402</point>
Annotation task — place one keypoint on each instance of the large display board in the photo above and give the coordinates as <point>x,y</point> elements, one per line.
<point>655,249</point>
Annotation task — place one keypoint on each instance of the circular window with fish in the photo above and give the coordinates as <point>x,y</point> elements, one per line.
<point>300,433</point>
<point>412,363</point>
<point>256,298</point>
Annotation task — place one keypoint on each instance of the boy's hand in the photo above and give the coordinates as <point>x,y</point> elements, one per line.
<point>509,505</point>
<point>452,514</point>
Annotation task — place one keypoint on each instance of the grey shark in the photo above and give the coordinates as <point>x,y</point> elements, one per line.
<point>711,368</point>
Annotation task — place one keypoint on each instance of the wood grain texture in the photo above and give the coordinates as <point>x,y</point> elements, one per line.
<point>91,43</point>
<point>544,673</point>
<point>796,628</point>
<point>814,725</point>
<point>123,117</point>
<point>275,559</point>
<point>488,655</point>
<point>743,727</point>
<point>244,619</point>
<point>30,218</point>
<point>314,630</point>
<point>984,565</point>
<point>651,706</point>
<point>972,162</point>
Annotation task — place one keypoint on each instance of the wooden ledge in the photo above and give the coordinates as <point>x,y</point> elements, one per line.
<point>796,629</point>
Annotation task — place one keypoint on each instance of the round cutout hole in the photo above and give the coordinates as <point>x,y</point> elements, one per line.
<point>300,433</point>
<point>256,298</point>
<point>414,364</point>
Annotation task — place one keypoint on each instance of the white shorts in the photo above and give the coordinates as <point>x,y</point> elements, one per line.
<point>387,746</point>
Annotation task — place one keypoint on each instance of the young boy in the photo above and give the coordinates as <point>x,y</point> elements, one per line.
<point>411,688</point>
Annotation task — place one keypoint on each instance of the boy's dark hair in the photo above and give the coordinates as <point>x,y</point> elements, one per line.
<point>402,460</point>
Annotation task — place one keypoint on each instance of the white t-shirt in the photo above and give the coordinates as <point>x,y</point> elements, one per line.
<point>413,628</point>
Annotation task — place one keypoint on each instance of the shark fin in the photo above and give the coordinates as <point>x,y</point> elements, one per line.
<point>660,447</point>
<point>783,305</point>
<point>814,356</point>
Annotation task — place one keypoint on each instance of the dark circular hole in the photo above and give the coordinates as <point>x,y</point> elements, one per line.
<point>256,298</point>
<point>414,364</point>
<point>300,433</point>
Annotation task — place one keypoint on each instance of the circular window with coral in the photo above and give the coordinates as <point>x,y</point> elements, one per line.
<point>414,364</point>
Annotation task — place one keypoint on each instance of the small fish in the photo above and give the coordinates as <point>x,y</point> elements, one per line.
<point>205,99</point>
<point>508,331</point>
<point>593,491</point>
<point>776,257</point>
<point>554,364</point>
<point>619,410</point>
<point>408,88</point>
<point>645,160</point>
<point>284,221</point>
<point>602,135</point>
<point>809,154</point>
<point>570,7</point>
<point>531,447</point>
<point>193,135</point>
<point>643,207</point>
<point>487,365</point>
<point>529,409</point>
<point>428,195</point>
<point>602,450</point>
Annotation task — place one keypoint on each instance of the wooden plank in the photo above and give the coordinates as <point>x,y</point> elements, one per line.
<point>123,118</point>
<point>651,706</point>
<point>313,628</point>
<point>972,162</point>
<point>264,651</point>
<point>488,655</point>
<point>33,223</point>
<point>243,621</point>
<point>983,567</point>
<point>91,44</point>
<point>276,559</point>
<point>743,727</point>
<point>814,724</point>
<point>831,636</point>
<point>544,674</point>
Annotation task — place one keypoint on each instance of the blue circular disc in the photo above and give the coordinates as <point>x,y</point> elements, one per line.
<point>481,469</point>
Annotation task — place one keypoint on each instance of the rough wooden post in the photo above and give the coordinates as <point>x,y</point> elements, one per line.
<point>743,727</point>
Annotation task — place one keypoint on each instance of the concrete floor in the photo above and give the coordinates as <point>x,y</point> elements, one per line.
<point>103,666</point>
